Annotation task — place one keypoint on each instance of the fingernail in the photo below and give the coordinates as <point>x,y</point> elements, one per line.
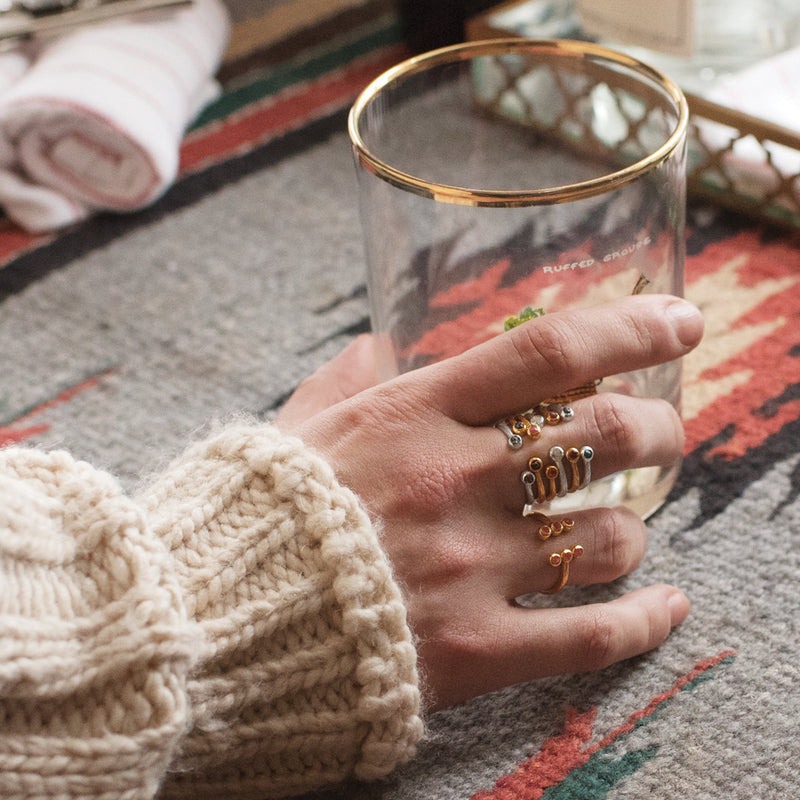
<point>679,606</point>
<point>686,320</point>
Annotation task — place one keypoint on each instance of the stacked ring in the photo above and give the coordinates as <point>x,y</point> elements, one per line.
<point>531,423</point>
<point>546,482</point>
<point>550,528</point>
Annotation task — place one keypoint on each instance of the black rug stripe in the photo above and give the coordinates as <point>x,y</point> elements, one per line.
<point>721,481</point>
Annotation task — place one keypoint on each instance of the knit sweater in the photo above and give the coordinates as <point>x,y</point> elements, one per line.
<point>234,632</point>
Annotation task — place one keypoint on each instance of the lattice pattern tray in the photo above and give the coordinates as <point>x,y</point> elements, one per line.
<point>735,160</point>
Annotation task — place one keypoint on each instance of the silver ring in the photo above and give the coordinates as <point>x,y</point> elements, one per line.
<point>587,454</point>
<point>514,439</point>
<point>544,482</point>
<point>531,423</point>
<point>557,454</point>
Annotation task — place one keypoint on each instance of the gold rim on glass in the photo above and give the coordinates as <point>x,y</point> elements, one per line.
<point>461,195</point>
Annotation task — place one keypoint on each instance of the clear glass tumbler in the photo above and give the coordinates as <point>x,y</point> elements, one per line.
<point>517,177</point>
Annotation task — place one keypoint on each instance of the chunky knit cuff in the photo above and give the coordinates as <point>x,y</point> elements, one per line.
<point>308,673</point>
<point>94,643</point>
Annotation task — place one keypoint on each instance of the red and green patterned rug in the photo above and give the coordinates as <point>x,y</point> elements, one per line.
<point>123,337</point>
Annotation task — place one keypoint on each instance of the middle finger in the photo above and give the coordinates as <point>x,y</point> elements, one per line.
<point>622,432</point>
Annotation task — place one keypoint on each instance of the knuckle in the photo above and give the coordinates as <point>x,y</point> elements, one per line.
<point>427,487</point>
<point>601,641</point>
<point>456,643</point>
<point>457,560</point>
<point>637,432</point>
<point>379,412</point>
<point>625,540</point>
<point>443,563</point>
<point>546,342</point>
<point>464,643</point>
<point>429,481</point>
<point>645,337</point>
<point>431,486</point>
<point>618,431</point>
<point>405,477</point>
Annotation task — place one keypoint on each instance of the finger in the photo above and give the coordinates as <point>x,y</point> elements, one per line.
<point>623,432</point>
<point>588,638</point>
<point>614,542</point>
<point>551,354</point>
<point>514,645</point>
<point>345,375</point>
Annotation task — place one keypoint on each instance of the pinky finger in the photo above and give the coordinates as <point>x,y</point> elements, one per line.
<point>518,645</point>
<point>587,638</point>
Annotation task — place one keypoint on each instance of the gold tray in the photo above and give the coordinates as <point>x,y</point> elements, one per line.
<point>736,160</point>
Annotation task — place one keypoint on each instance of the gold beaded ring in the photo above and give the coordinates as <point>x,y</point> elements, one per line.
<point>563,560</point>
<point>551,528</point>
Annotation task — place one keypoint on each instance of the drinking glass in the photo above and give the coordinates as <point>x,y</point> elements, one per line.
<point>507,179</point>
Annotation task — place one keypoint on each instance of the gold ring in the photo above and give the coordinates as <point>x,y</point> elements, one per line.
<point>563,560</point>
<point>550,528</point>
<point>544,482</point>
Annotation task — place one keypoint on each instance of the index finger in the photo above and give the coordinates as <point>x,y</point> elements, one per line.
<point>551,354</point>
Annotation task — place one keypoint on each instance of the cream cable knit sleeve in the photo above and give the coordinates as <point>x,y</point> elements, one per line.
<point>236,633</point>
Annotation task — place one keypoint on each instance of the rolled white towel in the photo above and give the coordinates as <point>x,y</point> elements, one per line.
<point>97,120</point>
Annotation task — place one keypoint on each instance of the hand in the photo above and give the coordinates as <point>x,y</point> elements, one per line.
<point>344,376</point>
<point>422,454</point>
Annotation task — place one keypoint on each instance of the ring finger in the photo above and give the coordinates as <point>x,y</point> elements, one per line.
<point>608,433</point>
<point>611,542</point>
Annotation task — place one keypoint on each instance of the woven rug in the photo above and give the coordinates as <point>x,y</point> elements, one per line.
<point>122,338</point>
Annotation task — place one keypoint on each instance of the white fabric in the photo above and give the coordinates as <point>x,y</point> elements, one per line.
<point>97,119</point>
<point>768,90</point>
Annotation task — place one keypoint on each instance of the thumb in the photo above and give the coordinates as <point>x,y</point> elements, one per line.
<point>345,375</point>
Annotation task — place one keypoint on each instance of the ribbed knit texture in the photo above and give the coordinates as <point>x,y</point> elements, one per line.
<point>238,631</point>
<point>94,643</point>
